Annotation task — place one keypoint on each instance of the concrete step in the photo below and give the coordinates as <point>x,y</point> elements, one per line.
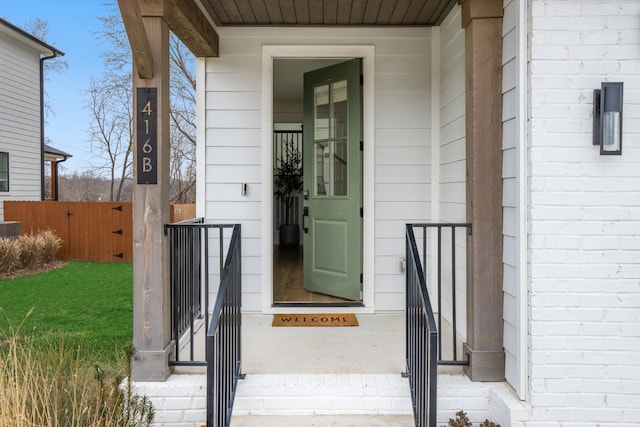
<point>324,421</point>
<point>323,394</point>
<point>330,400</point>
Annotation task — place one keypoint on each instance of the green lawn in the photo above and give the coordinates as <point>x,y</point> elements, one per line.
<point>88,303</point>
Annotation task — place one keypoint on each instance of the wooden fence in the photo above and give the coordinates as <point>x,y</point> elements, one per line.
<point>90,231</point>
<point>180,212</point>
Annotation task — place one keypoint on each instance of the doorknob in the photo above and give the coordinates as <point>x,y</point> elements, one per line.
<point>305,214</point>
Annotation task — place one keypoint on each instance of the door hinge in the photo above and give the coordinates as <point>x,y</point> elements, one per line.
<point>360,277</point>
<point>361,145</point>
<point>361,213</point>
<point>361,80</point>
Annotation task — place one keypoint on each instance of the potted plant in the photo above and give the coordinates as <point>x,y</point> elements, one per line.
<point>288,183</point>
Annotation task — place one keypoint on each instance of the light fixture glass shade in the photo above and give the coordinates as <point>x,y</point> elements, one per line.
<point>611,131</point>
<point>607,115</point>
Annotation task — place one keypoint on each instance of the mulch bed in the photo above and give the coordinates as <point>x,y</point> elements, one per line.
<point>37,269</point>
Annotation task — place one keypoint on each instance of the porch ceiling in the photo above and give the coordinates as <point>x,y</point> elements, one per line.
<point>327,12</point>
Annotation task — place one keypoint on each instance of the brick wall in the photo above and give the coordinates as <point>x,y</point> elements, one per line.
<point>584,217</point>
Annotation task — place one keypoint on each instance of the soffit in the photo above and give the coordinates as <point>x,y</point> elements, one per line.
<point>327,12</point>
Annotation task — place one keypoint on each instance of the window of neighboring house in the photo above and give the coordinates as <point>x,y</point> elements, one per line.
<point>4,171</point>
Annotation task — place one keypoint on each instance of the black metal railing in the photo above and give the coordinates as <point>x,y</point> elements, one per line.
<point>422,339</point>
<point>189,273</point>
<point>424,335</point>
<point>224,339</point>
<point>446,285</point>
<point>189,245</point>
<point>186,279</point>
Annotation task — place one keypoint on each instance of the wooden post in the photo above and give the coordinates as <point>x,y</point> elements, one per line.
<point>147,23</point>
<point>151,318</point>
<point>482,21</point>
<point>54,180</point>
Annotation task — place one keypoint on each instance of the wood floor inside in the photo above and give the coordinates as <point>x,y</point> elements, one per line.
<point>288,280</point>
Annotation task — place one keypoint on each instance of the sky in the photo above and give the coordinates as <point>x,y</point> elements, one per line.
<point>71,27</point>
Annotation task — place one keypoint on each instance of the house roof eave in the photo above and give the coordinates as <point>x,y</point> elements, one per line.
<point>52,154</point>
<point>18,33</point>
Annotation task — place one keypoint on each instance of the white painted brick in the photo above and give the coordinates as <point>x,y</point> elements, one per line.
<point>549,400</point>
<point>562,9</point>
<point>177,403</point>
<point>600,9</point>
<point>169,417</point>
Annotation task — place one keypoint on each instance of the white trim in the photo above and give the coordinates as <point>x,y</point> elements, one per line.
<point>523,238</point>
<point>201,135</point>
<point>367,53</point>
<point>435,124</point>
<point>435,146</point>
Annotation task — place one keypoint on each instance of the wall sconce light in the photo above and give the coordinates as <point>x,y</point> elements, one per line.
<point>607,118</point>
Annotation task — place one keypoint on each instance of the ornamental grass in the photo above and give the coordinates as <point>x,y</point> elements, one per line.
<point>28,251</point>
<point>55,384</point>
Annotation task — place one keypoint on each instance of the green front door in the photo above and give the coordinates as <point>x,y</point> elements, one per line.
<point>333,180</point>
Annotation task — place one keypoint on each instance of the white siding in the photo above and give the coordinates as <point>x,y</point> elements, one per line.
<point>452,119</point>
<point>403,156</point>
<point>401,151</point>
<point>511,95</point>
<point>584,245</point>
<point>451,160</point>
<point>20,119</point>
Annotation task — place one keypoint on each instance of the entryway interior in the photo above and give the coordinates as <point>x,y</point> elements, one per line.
<point>288,265</point>
<point>288,280</point>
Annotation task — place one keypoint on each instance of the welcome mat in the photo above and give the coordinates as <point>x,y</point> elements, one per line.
<point>324,319</point>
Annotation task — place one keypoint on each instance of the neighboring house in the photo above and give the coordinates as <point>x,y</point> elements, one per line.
<point>22,153</point>
<point>52,158</point>
<point>471,111</point>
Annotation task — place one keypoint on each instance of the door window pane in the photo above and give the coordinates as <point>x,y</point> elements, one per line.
<point>321,112</point>
<point>340,168</point>
<point>321,164</point>
<point>330,139</point>
<point>4,171</point>
<point>340,109</point>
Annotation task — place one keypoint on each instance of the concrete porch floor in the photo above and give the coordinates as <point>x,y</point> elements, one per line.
<point>376,346</point>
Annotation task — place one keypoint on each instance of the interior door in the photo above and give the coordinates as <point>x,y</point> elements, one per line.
<point>333,180</point>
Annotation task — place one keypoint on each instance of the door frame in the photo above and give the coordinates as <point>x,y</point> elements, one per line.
<point>367,53</point>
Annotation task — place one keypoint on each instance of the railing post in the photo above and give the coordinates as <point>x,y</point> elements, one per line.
<point>439,307</point>
<point>453,293</point>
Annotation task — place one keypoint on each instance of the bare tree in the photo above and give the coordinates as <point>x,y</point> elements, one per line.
<point>111,129</point>
<point>109,102</point>
<point>183,123</point>
<point>111,107</point>
<point>39,28</point>
<point>87,186</point>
